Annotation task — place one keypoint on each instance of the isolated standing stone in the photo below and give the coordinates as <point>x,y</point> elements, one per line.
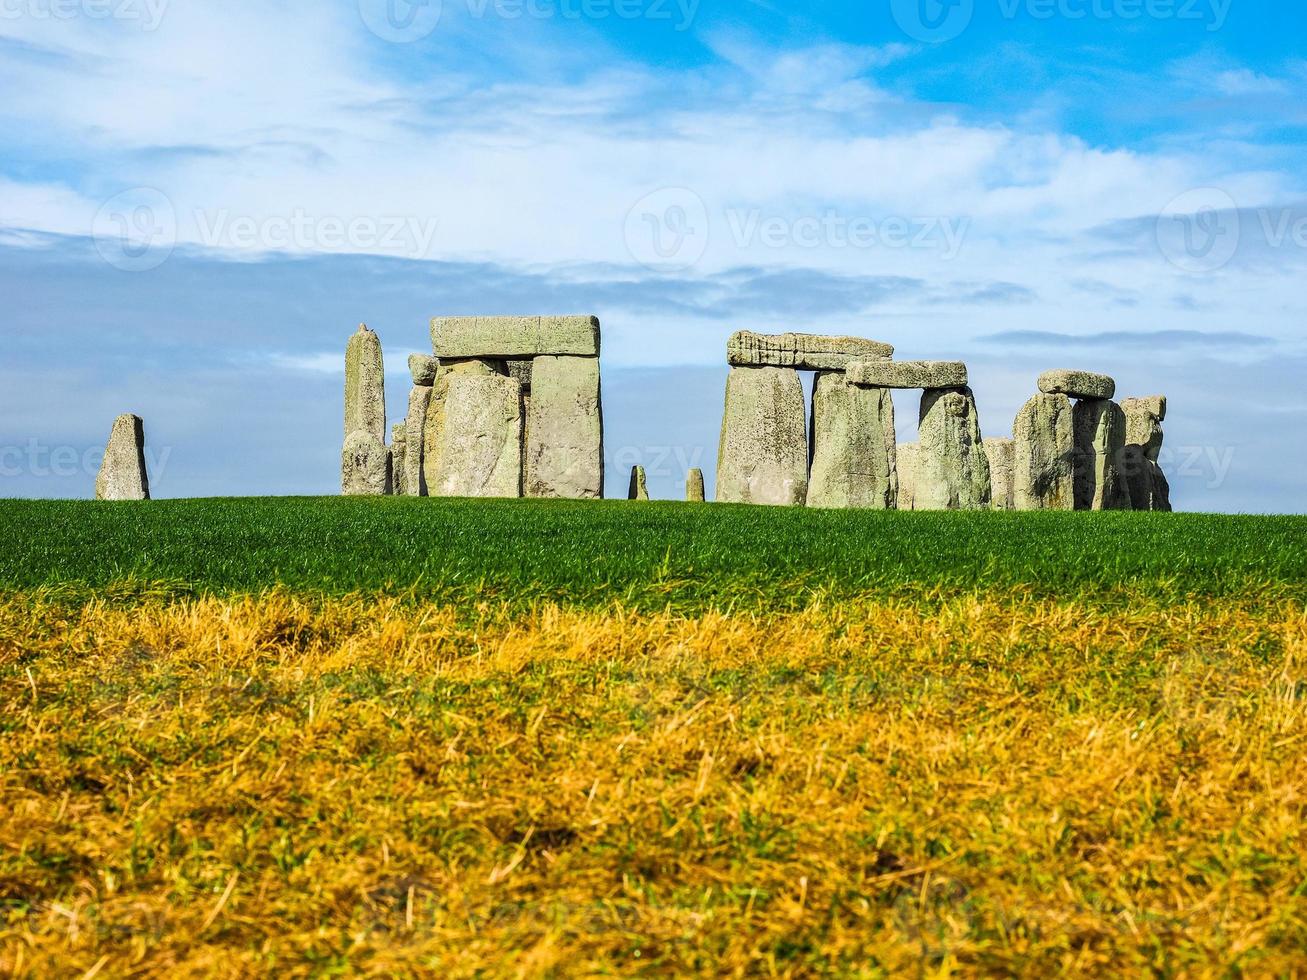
<point>1043,476</point>
<point>639,489</point>
<point>1077,384</point>
<point>1002,459</point>
<point>808,352</point>
<point>122,473</point>
<point>514,336</point>
<point>763,454</point>
<point>565,429</point>
<point>366,466</point>
<point>432,435</point>
<point>906,465</point>
<point>952,469</point>
<point>908,374</point>
<point>365,385</point>
<point>1100,439</point>
<point>852,445</point>
<point>478,445</point>
<point>398,456</point>
<point>415,425</point>
<point>694,491</point>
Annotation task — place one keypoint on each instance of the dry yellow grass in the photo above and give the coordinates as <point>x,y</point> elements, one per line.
<point>981,786</point>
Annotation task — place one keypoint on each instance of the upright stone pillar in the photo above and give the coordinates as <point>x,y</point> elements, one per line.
<point>906,466</point>
<point>952,469</point>
<point>433,426</point>
<point>415,426</point>
<point>852,445</point>
<point>365,385</point>
<point>477,446</point>
<point>366,466</point>
<point>639,488</point>
<point>1043,455</point>
<point>122,473</point>
<point>763,454</point>
<point>398,456</point>
<point>1147,484</point>
<point>1100,441</point>
<point>1002,460</point>
<point>694,491</point>
<point>565,429</point>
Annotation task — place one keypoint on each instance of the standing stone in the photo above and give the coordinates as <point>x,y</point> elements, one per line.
<point>906,466</point>
<point>1100,439</point>
<point>852,445</point>
<point>1043,476</point>
<point>952,469</point>
<point>398,455</point>
<point>694,491</point>
<point>122,473</point>
<point>423,368</point>
<point>1139,467</point>
<point>809,352</point>
<point>565,429</point>
<point>415,425</point>
<point>432,429</point>
<point>1002,460</point>
<point>366,466</point>
<point>365,385</point>
<point>477,447</point>
<point>763,454</point>
<point>639,489</point>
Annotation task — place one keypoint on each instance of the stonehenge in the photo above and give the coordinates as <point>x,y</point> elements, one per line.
<point>763,453</point>
<point>852,446</point>
<point>1043,466</point>
<point>503,407</point>
<point>122,474</point>
<point>1001,454</point>
<point>639,488</point>
<point>1145,482</point>
<point>1099,426</point>
<point>906,459</point>
<point>804,352</point>
<point>952,468</point>
<point>694,489</point>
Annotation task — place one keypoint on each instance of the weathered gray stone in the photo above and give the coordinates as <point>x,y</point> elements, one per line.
<point>1044,455</point>
<point>1147,484</point>
<point>514,336</point>
<point>809,352</point>
<point>122,473</point>
<point>1002,461</point>
<point>639,488</point>
<point>1143,423</point>
<point>852,446</point>
<point>908,374</point>
<point>906,466</point>
<point>952,468</point>
<point>432,438</point>
<point>694,490</point>
<point>565,430</point>
<point>763,454</point>
<point>423,368</point>
<point>365,385</point>
<point>1077,384</point>
<point>398,454</point>
<point>519,369</point>
<point>1100,439</point>
<point>415,425</point>
<point>366,466</point>
<point>477,446</point>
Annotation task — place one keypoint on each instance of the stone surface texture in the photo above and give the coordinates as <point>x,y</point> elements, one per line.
<point>809,352</point>
<point>908,374</point>
<point>1143,423</point>
<point>1043,472</point>
<point>1099,426</point>
<point>1147,484</point>
<point>762,457</point>
<point>952,468</point>
<point>906,466</point>
<point>366,466</point>
<point>694,488</point>
<point>435,411</point>
<point>122,473</point>
<point>398,453</point>
<point>414,480</point>
<point>852,445</point>
<point>639,486</point>
<point>365,385</point>
<point>565,430</point>
<point>519,369</point>
<point>1077,384</point>
<point>1002,461</point>
<point>477,446</point>
<point>514,336</point>
<point>423,368</point>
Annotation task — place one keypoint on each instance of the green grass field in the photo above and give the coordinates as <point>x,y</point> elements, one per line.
<point>312,737</point>
<point>647,554</point>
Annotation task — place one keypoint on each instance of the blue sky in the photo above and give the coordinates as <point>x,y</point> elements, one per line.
<point>200,201</point>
